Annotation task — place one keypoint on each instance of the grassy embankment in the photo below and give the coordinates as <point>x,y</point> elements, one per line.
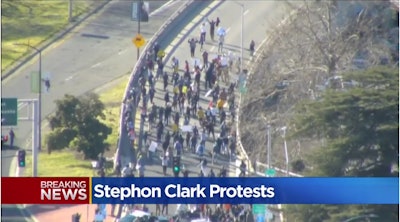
<point>65,163</point>
<point>33,22</point>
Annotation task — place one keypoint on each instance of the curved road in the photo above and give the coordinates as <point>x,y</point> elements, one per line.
<point>95,53</point>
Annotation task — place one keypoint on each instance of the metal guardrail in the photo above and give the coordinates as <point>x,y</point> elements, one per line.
<point>134,77</point>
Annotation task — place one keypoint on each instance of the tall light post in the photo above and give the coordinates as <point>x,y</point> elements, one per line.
<point>286,151</point>
<point>269,146</point>
<point>39,133</point>
<point>241,34</point>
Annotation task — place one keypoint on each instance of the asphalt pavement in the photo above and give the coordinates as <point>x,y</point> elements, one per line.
<point>95,53</point>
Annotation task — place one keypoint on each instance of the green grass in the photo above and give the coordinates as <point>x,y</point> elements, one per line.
<point>112,100</point>
<point>70,164</point>
<point>32,22</point>
<point>60,163</point>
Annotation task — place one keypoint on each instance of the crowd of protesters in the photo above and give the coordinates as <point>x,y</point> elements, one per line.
<point>180,123</point>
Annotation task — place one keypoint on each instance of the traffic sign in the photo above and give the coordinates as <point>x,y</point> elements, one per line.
<point>139,41</point>
<point>259,209</point>
<point>9,111</point>
<point>270,172</point>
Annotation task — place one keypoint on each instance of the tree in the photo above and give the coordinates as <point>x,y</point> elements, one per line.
<point>315,45</point>
<point>360,126</point>
<point>76,124</point>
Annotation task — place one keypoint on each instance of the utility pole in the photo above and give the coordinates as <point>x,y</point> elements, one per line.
<point>241,39</point>
<point>286,151</point>
<point>140,7</point>
<point>70,9</point>
<point>269,146</point>
<point>39,112</point>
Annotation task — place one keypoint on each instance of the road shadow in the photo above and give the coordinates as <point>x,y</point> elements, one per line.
<point>94,36</point>
<point>45,208</point>
<point>8,147</point>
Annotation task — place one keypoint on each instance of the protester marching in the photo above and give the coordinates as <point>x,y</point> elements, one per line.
<point>169,99</point>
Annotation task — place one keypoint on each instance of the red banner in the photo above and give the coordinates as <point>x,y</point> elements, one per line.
<point>45,190</point>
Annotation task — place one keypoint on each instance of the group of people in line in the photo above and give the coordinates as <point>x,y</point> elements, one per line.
<point>182,107</point>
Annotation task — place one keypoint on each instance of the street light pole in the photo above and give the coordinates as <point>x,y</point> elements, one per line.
<point>140,6</point>
<point>269,146</point>
<point>241,35</point>
<point>39,124</point>
<point>241,38</point>
<point>286,151</point>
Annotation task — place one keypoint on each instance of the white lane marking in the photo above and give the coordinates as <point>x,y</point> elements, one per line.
<point>227,30</point>
<point>245,12</point>
<point>122,52</point>
<point>22,105</point>
<point>212,48</point>
<point>162,7</point>
<point>69,78</point>
<point>95,65</point>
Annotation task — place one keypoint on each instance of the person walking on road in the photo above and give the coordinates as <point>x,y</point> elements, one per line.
<point>47,84</point>
<point>212,29</point>
<point>221,40</point>
<point>164,164</point>
<point>203,31</point>
<point>11,134</point>
<point>205,59</point>
<point>192,44</point>
<point>217,22</point>
<point>252,48</point>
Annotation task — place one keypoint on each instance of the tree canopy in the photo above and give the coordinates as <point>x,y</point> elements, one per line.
<point>76,125</point>
<point>360,126</point>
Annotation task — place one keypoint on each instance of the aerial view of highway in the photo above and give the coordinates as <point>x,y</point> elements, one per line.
<point>190,88</point>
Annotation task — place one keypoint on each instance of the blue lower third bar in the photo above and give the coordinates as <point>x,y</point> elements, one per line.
<point>343,190</point>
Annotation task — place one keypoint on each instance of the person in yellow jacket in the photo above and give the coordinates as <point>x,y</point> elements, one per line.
<point>175,128</point>
<point>220,104</point>
<point>200,114</point>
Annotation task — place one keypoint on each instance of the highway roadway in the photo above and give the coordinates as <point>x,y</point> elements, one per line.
<point>256,26</point>
<point>101,50</point>
<point>92,55</point>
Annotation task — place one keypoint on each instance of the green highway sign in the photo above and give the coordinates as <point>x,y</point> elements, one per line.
<point>270,172</point>
<point>259,208</point>
<point>9,111</point>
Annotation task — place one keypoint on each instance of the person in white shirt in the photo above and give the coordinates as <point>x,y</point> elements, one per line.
<point>203,31</point>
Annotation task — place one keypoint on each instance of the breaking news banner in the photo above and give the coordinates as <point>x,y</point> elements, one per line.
<point>344,190</point>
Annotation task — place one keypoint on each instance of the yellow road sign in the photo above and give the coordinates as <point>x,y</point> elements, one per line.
<point>139,41</point>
